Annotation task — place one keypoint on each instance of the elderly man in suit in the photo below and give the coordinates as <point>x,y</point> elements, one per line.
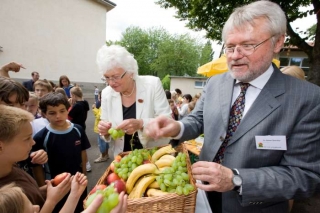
<point>29,84</point>
<point>261,127</point>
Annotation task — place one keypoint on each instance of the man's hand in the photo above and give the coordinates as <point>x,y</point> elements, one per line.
<point>162,126</point>
<point>219,178</point>
<point>39,157</point>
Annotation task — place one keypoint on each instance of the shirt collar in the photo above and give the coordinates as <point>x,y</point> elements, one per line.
<point>261,81</point>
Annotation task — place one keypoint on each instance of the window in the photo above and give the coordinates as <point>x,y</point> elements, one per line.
<point>295,61</point>
<point>199,84</point>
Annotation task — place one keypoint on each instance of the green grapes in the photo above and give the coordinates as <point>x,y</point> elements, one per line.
<point>129,162</point>
<point>175,179</point>
<point>115,134</point>
<point>110,199</point>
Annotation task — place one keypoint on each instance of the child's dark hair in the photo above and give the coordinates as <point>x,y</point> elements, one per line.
<point>188,97</point>
<point>53,99</point>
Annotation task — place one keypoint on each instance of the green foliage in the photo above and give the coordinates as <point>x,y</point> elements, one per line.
<point>311,32</point>
<point>158,53</point>
<point>166,82</point>
<point>206,53</point>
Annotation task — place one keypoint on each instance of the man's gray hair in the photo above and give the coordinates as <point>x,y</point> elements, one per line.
<point>272,12</point>
<point>115,56</point>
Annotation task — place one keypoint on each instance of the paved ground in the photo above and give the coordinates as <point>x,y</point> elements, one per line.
<point>97,168</point>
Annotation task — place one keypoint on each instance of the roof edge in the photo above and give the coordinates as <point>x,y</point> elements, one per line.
<point>109,4</point>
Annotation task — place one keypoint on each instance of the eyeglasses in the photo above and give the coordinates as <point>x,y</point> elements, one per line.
<point>244,49</point>
<point>115,78</point>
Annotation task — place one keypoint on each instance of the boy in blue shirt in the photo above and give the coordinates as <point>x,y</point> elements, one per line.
<point>65,142</point>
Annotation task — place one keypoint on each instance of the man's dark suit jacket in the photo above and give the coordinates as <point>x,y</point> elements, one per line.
<point>28,85</point>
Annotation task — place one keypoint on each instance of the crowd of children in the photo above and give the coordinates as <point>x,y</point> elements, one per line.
<point>55,140</point>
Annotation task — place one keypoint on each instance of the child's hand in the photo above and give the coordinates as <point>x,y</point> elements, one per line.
<point>55,194</point>
<point>39,157</point>
<point>78,184</point>
<point>122,205</point>
<point>120,208</point>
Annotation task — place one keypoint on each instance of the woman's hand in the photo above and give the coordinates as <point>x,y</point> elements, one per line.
<point>130,126</point>
<point>104,127</point>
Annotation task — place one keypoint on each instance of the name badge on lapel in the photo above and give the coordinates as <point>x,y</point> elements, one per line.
<point>276,142</point>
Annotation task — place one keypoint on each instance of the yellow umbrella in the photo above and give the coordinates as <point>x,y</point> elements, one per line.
<point>214,67</point>
<point>219,66</point>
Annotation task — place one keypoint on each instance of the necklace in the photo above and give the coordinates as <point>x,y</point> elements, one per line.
<point>131,91</point>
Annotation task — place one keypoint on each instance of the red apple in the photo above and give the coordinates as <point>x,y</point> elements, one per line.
<point>146,161</point>
<point>112,177</point>
<point>59,178</point>
<point>97,187</point>
<point>119,185</point>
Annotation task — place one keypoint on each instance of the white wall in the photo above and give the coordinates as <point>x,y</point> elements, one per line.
<point>186,85</point>
<point>53,37</point>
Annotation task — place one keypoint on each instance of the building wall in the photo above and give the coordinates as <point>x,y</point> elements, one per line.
<point>53,37</point>
<point>186,85</point>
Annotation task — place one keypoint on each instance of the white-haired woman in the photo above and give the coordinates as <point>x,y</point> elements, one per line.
<point>130,100</point>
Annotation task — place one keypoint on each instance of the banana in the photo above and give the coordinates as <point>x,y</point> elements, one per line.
<point>155,192</point>
<point>164,163</point>
<point>141,186</point>
<point>134,190</point>
<point>167,157</point>
<point>162,151</point>
<point>141,170</point>
<point>153,185</point>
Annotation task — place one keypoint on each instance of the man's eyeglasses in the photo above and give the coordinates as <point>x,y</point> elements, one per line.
<point>115,78</point>
<point>244,49</point>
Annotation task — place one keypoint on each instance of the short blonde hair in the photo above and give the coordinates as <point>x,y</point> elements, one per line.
<point>11,120</point>
<point>294,71</point>
<point>32,95</point>
<point>76,91</point>
<point>43,83</point>
<point>11,199</point>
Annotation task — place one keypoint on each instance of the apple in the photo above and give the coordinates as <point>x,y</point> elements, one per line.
<point>146,161</point>
<point>59,178</point>
<point>112,177</point>
<point>112,166</point>
<point>119,185</point>
<point>97,187</point>
<point>117,158</point>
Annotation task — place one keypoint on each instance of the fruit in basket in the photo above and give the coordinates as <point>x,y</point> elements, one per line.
<point>129,162</point>
<point>119,185</point>
<point>162,151</point>
<point>155,192</point>
<point>139,172</point>
<point>141,186</point>
<point>111,178</point>
<point>175,178</point>
<point>97,187</point>
<point>110,199</point>
<point>169,157</point>
<point>154,185</point>
<point>117,158</point>
<point>59,178</point>
<point>164,163</point>
<point>112,166</point>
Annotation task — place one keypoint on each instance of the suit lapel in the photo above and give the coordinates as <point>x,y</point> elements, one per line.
<point>263,106</point>
<point>226,90</point>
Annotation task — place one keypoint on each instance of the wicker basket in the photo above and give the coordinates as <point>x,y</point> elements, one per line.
<point>167,203</point>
